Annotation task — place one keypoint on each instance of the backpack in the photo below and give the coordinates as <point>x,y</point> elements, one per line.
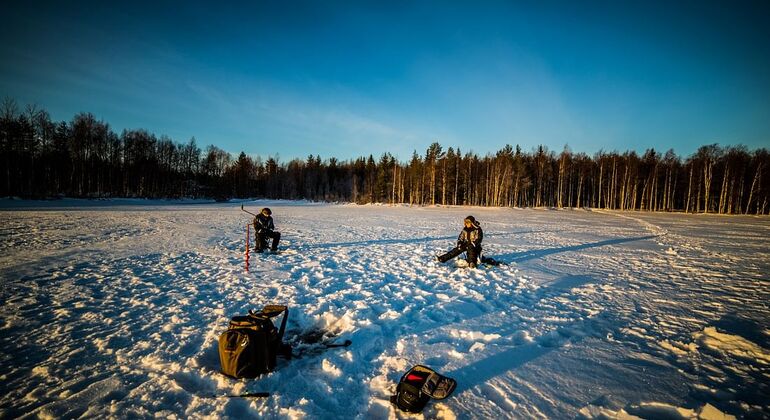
<point>251,343</point>
<point>420,384</point>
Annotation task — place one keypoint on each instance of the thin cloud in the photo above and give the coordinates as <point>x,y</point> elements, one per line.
<point>260,112</point>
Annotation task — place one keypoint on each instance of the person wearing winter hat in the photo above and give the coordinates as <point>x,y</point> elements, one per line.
<point>263,225</point>
<point>469,242</point>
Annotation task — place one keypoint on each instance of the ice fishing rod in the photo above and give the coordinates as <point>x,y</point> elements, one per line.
<point>247,395</point>
<point>344,344</point>
<point>315,350</point>
<point>248,211</point>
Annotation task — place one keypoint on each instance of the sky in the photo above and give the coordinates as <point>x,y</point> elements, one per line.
<point>347,79</point>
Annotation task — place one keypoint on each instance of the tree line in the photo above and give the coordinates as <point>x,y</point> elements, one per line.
<point>84,157</point>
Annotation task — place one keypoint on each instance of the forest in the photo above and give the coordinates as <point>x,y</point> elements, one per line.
<point>84,157</point>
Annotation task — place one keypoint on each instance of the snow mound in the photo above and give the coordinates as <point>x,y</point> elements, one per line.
<point>655,410</point>
<point>733,345</point>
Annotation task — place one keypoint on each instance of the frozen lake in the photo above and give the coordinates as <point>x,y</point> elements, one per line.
<point>115,309</point>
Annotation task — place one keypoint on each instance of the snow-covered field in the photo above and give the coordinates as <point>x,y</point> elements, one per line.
<point>115,310</point>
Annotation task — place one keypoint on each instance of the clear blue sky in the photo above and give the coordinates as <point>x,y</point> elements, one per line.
<point>346,79</point>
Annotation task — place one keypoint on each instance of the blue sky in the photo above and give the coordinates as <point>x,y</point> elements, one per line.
<point>346,79</point>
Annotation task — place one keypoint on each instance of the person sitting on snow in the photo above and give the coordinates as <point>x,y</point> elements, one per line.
<point>469,242</point>
<point>263,225</point>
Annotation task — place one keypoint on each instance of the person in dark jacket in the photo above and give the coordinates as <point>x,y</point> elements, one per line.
<point>263,225</point>
<point>469,242</point>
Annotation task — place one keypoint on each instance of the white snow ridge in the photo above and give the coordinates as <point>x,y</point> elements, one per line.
<point>115,311</point>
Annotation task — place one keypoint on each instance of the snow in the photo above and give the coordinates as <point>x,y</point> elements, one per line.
<point>115,309</point>
<point>732,345</point>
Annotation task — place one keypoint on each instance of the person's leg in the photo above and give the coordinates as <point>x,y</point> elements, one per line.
<point>451,254</point>
<point>261,242</point>
<point>472,256</point>
<point>490,261</point>
<point>276,237</point>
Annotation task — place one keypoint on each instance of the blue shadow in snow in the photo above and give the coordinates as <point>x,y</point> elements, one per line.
<point>485,369</point>
<point>375,242</point>
<point>497,364</point>
<point>495,234</point>
<point>540,253</point>
<point>567,283</point>
<point>404,240</point>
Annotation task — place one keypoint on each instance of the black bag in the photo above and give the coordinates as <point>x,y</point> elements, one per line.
<point>420,384</point>
<point>251,343</point>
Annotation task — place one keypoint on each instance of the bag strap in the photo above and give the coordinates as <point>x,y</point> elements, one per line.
<point>272,311</point>
<point>257,315</point>
<point>283,323</point>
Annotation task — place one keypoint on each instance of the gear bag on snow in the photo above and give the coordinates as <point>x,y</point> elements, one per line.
<point>251,343</point>
<point>420,384</point>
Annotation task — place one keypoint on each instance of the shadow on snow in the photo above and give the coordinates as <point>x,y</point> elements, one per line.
<point>540,253</point>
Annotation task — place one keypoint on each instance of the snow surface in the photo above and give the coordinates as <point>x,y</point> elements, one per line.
<point>115,310</point>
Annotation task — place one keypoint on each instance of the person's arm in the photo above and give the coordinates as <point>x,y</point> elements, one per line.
<point>259,224</point>
<point>270,225</point>
<point>474,238</point>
